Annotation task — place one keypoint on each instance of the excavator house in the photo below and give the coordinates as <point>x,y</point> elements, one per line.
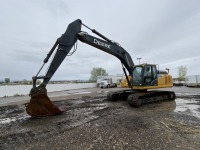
<point>140,78</point>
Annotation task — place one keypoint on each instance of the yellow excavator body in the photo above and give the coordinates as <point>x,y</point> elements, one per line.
<point>124,83</point>
<point>164,81</point>
<point>161,80</point>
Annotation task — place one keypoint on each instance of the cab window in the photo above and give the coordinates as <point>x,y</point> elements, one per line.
<point>148,71</point>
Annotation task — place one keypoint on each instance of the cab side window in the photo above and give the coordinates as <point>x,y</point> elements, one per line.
<point>154,72</point>
<point>148,71</point>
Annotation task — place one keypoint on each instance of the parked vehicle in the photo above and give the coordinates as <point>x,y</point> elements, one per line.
<point>114,79</point>
<point>107,83</point>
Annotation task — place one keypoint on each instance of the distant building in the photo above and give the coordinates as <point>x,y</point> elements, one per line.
<point>192,80</point>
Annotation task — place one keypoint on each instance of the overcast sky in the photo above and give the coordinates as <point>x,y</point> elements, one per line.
<point>164,32</point>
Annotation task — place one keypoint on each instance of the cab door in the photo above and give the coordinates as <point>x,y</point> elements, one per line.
<point>137,76</point>
<point>150,75</point>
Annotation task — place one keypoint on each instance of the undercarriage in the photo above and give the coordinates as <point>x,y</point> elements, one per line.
<point>137,99</point>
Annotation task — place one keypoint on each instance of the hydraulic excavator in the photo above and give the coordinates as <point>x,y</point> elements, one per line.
<point>140,78</point>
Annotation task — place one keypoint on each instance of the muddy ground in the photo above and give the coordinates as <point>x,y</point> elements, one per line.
<point>93,122</point>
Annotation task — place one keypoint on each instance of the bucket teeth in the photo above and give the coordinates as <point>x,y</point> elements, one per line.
<point>41,106</point>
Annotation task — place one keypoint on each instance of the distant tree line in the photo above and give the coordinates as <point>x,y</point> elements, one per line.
<point>97,72</point>
<point>182,72</point>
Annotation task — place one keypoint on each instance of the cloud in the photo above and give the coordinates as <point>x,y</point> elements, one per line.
<point>161,32</point>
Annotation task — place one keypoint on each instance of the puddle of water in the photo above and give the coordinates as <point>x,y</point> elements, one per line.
<point>82,93</point>
<point>185,94</point>
<point>13,119</point>
<point>188,106</point>
<point>102,92</point>
<point>7,120</point>
<point>77,101</point>
<point>76,93</point>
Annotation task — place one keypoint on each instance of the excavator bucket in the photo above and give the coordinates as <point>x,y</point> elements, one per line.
<point>41,106</point>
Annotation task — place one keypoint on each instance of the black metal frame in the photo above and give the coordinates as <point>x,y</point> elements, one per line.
<point>65,43</point>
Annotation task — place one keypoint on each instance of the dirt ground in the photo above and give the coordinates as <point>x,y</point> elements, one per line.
<point>93,122</point>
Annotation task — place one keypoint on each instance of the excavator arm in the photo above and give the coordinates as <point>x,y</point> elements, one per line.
<point>40,105</point>
<point>63,44</point>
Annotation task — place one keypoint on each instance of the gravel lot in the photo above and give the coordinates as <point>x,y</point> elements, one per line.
<point>92,122</point>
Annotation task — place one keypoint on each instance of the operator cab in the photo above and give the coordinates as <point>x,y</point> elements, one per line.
<point>145,75</point>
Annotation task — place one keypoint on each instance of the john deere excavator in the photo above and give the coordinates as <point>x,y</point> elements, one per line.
<point>143,77</point>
